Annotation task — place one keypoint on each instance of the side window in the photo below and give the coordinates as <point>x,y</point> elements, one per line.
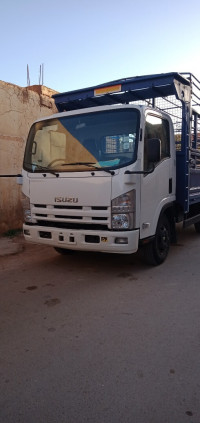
<point>156,127</point>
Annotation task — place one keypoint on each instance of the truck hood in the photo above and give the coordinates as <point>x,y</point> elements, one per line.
<point>80,191</point>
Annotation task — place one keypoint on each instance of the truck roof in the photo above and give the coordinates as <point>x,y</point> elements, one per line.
<point>127,90</point>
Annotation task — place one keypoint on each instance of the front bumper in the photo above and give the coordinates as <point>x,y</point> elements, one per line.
<point>103,241</point>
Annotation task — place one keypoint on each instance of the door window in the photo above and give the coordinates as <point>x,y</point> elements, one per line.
<point>156,127</point>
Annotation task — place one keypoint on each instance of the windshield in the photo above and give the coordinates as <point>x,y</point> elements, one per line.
<point>99,140</point>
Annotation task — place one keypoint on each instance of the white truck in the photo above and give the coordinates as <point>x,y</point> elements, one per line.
<point>116,168</point>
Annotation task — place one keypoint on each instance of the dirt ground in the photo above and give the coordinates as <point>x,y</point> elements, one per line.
<point>100,338</point>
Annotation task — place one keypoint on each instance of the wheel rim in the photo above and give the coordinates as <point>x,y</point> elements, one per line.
<point>163,241</point>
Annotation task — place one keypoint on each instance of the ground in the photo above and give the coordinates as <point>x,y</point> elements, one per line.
<point>100,338</point>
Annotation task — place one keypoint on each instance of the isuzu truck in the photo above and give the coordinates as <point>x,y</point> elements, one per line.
<point>116,168</point>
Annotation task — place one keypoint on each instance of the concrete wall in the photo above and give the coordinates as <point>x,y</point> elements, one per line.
<point>19,107</point>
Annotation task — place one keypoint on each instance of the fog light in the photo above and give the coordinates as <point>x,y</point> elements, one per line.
<point>121,240</point>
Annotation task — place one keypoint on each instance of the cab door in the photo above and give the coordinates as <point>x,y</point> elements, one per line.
<point>156,187</point>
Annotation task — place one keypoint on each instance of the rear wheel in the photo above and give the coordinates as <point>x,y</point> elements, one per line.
<point>197,227</point>
<point>156,251</point>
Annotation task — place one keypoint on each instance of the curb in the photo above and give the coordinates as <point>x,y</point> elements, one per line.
<point>8,246</point>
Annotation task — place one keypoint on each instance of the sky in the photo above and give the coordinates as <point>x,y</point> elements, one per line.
<point>83,43</point>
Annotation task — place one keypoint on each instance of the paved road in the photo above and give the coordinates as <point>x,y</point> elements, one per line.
<point>100,338</point>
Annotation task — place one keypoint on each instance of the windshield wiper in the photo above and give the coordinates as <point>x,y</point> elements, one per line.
<point>92,164</point>
<point>44,168</point>
<point>140,172</point>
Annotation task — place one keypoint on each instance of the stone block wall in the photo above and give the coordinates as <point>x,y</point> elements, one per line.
<point>19,108</point>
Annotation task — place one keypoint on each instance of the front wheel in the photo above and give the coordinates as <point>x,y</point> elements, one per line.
<point>156,251</point>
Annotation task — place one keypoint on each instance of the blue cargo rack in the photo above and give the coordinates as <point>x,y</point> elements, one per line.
<point>128,90</point>
<point>178,94</point>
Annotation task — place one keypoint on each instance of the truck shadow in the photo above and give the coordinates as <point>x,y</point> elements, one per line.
<point>123,261</point>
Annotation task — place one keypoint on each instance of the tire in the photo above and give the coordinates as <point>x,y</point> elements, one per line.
<point>197,227</point>
<point>156,252</point>
<point>63,251</point>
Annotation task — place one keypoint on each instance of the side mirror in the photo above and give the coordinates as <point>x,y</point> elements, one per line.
<point>153,150</point>
<point>19,180</point>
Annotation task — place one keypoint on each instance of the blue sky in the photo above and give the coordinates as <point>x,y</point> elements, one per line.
<point>86,42</point>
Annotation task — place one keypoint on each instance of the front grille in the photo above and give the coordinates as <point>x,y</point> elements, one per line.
<point>72,217</point>
<point>98,208</point>
<point>68,207</point>
<point>65,225</point>
<point>69,217</point>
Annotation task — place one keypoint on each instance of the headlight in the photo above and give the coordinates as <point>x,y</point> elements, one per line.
<point>26,208</point>
<point>123,211</point>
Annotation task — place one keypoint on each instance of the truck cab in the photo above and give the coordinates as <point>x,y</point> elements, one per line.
<point>101,176</point>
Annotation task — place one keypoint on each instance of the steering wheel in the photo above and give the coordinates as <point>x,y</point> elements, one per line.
<point>54,161</point>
